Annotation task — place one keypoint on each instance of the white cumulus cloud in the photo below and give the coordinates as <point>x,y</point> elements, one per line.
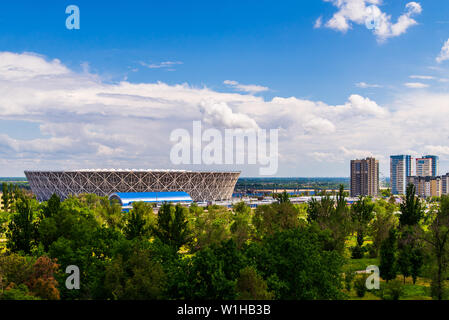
<point>368,13</point>
<point>250,88</point>
<point>85,122</point>
<point>219,114</point>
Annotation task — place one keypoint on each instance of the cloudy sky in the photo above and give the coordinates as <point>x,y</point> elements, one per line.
<point>340,79</point>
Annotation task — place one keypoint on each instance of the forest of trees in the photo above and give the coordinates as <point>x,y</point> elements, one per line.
<point>278,251</point>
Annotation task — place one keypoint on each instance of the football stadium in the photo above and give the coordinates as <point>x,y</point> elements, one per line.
<point>201,186</point>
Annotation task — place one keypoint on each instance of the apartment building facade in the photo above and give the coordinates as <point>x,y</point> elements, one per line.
<point>365,177</point>
<point>427,186</point>
<point>427,166</point>
<point>400,170</point>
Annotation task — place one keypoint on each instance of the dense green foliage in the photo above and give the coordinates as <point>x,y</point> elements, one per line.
<point>388,257</point>
<point>276,251</point>
<point>411,208</point>
<point>182,253</point>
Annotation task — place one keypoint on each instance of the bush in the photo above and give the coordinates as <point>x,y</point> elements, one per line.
<point>437,290</point>
<point>393,290</point>
<point>251,286</point>
<point>357,252</point>
<point>349,278</point>
<point>17,292</point>
<point>360,285</point>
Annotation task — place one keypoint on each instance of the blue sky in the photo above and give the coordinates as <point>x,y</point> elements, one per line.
<point>274,45</point>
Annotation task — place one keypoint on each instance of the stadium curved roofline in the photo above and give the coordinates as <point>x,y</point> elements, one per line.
<point>134,170</point>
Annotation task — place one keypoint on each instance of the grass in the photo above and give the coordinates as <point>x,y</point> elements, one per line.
<point>418,291</point>
<point>359,264</point>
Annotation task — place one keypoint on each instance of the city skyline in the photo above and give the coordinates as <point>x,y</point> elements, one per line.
<point>336,87</point>
<point>422,172</point>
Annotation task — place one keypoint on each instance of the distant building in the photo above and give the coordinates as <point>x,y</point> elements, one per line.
<point>427,166</point>
<point>200,185</point>
<point>365,177</point>
<point>445,184</point>
<point>435,165</point>
<point>423,167</point>
<point>427,186</point>
<point>400,170</point>
<point>126,199</point>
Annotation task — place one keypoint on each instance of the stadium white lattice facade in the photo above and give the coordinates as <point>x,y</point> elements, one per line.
<point>201,186</point>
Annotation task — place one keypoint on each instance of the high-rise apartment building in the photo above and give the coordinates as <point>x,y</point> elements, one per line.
<point>427,166</point>
<point>424,167</point>
<point>435,164</point>
<point>365,177</point>
<point>400,170</point>
<point>445,184</point>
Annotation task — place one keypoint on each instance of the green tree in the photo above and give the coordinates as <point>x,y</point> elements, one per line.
<point>362,214</point>
<point>416,263</point>
<point>404,261</point>
<point>212,226</point>
<point>172,226</point>
<point>332,216</point>
<point>297,264</point>
<point>140,221</point>
<point>15,268</point>
<point>6,197</point>
<point>360,285</point>
<point>251,286</point>
<point>91,254</point>
<point>384,220</point>
<point>392,290</point>
<point>269,219</point>
<point>17,292</point>
<point>437,243</point>
<point>22,230</point>
<point>112,214</point>
<point>339,221</point>
<point>411,213</point>
<point>73,221</point>
<point>410,257</point>
<point>211,274</point>
<point>349,279</point>
<point>411,208</point>
<point>241,227</point>
<point>107,212</point>
<point>139,277</point>
<point>74,237</point>
<point>283,197</point>
<point>388,257</point>
<point>320,211</point>
<point>52,207</point>
<point>5,218</point>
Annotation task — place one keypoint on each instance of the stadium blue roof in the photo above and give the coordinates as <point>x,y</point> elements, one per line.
<point>127,198</point>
